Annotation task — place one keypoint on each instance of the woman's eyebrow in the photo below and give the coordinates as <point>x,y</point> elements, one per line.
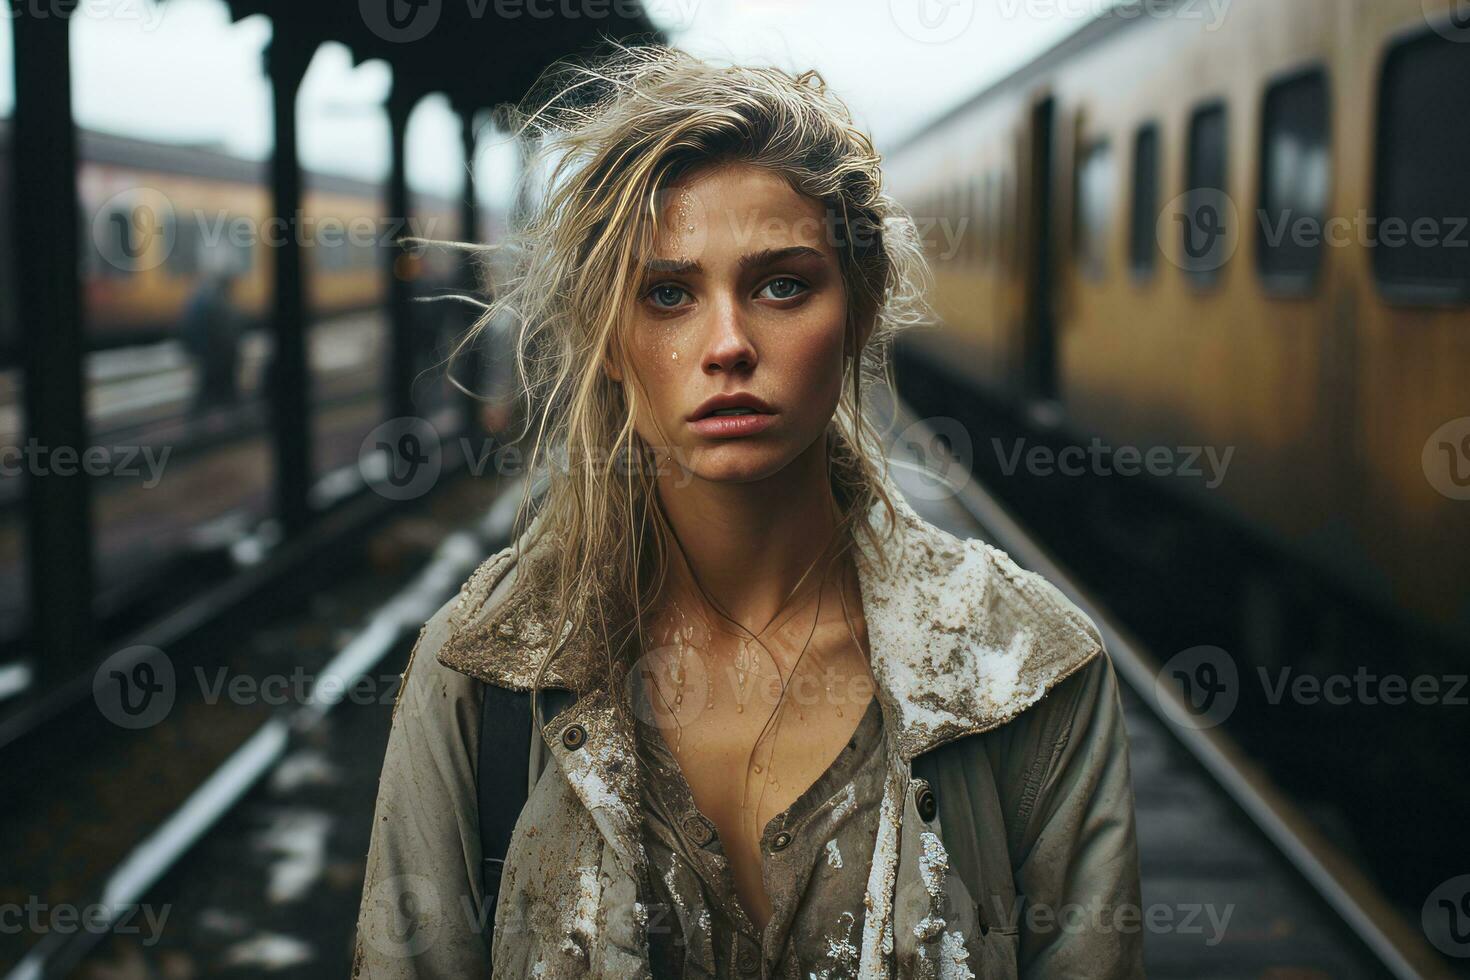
<point>770,255</point>
<point>766,256</point>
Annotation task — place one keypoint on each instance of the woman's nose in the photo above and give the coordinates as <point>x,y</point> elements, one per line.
<point>729,346</point>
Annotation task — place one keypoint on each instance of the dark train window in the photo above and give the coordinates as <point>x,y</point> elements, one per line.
<point>1203,232</point>
<point>972,220</point>
<point>184,257</point>
<point>1296,170</point>
<point>1143,249</point>
<point>1421,246</point>
<point>1094,207</point>
<point>987,218</point>
<point>116,245</point>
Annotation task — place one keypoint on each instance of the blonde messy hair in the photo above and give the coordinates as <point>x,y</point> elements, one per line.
<point>602,142</point>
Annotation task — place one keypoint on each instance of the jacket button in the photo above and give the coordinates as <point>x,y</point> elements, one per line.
<point>574,736</point>
<point>780,841</point>
<point>926,804</point>
<point>746,960</point>
<point>696,829</point>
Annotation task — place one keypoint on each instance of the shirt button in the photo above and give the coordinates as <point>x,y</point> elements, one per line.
<point>696,829</point>
<point>780,841</point>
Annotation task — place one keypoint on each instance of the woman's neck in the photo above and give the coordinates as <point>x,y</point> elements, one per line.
<point>751,545</point>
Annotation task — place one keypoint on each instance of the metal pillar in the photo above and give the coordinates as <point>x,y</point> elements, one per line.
<point>403,341</point>
<point>469,223</point>
<point>48,304</point>
<point>290,378</point>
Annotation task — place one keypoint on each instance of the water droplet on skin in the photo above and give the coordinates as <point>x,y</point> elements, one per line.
<point>675,356</point>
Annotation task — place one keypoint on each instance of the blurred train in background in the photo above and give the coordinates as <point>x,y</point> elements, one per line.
<point>158,218</point>
<point>1168,238</point>
<point>1178,234</point>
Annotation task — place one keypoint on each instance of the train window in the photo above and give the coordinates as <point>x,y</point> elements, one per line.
<point>986,220</point>
<point>1005,215</point>
<point>1295,172</point>
<point>1206,191</point>
<point>183,258</point>
<point>117,246</point>
<point>974,203</point>
<point>1143,250</point>
<point>1094,207</point>
<point>1421,246</point>
<point>998,198</point>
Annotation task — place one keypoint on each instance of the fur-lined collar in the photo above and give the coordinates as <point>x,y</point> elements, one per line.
<point>961,638</point>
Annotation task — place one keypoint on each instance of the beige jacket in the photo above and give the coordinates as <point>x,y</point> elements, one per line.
<point>963,643</point>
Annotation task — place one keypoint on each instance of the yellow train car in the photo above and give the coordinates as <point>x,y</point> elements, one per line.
<point>1239,226</point>
<point>159,217</point>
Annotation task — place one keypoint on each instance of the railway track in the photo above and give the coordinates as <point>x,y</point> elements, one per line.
<point>1238,879</point>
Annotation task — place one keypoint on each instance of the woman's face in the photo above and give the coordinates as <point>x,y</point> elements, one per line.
<point>742,295</point>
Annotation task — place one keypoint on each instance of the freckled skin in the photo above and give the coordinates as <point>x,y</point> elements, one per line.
<point>777,329</point>
<point>729,330</point>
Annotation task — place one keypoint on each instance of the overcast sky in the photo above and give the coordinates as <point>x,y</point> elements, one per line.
<point>181,71</point>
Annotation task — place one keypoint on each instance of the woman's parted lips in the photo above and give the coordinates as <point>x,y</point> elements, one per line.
<point>737,399</point>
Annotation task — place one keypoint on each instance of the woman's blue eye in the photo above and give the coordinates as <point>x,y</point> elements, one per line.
<point>784,287</point>
<point>673,294</point>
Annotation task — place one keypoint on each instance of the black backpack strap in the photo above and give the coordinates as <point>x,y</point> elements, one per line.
<point>504,770</point>
<point>503,779</point>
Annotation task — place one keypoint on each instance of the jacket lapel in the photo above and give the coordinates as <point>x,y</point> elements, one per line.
<point>961,638</point>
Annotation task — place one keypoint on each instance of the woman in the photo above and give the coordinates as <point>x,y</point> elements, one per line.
<point>761,641</point>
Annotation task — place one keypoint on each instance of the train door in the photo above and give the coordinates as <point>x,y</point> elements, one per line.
<point>1039,345</point>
